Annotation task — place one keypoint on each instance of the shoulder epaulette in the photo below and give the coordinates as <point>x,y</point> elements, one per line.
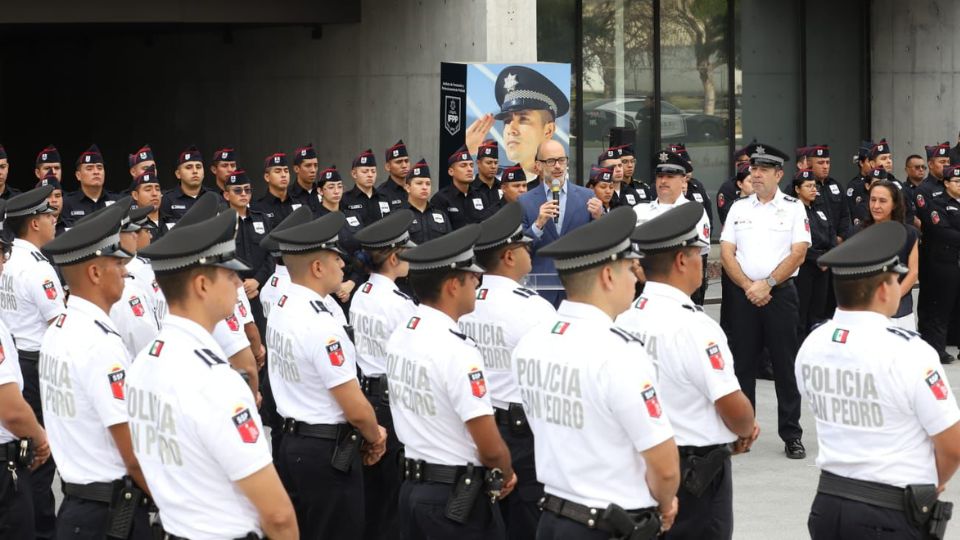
<point>902,332</point>
<point>144,261</point>
<point>403,295</point>
<point>524,292</point>
<point>789,198</point>
<point>464,337</point>
<point>38,257</point>
<point>106,329</point>
<point>693,307</point>
<point>319,307</point>
<point>208,357</point>
<point>625,335</point>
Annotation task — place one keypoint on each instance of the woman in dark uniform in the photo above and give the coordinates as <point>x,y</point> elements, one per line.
<point>812,280</point>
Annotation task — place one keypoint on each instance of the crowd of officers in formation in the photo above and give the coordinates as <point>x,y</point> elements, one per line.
<point>416,389</point>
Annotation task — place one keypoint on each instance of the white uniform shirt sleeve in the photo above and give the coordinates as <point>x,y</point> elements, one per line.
<point>9,363</point>
<point>466,386</point>
<point>639,412</point>
<point>801,226</point>
<point>709,362</point>
<point>242,310</point>
<point>728,232</point>
<point>136,321</point>
<point>230,428</point>
<point>231,341</point>
<point>50,304</point>
<point>102,384</point>
<point>334,358</point>
<point>928,392</point>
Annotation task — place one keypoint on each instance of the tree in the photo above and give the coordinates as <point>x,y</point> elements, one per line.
<point>705,22</point>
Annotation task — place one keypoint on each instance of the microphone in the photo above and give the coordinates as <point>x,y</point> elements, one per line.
<point>555,191</point>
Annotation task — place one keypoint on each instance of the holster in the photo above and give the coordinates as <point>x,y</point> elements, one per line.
<point>699,472</point>
<point>464,495</point>
<point>126,498</point>
<point>345,453</point>
<point>924,510</point>
<point>625,527</point>
<point>518,420</point>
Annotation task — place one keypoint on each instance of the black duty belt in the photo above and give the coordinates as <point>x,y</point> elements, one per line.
<point>101,492</point>
<point>875,493</point>
<point>316,431</point>
<point>249,536</point>
<point>417,470</point>
<point>699,451</point>
<point>33,356</point>
<point>19,452</point>
<point>585,515</point>
<point>375,386</point>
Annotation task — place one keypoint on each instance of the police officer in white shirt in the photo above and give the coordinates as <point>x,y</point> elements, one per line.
<point>671,179</point>
<point>504,312</point>
<point>888,427</point>
<point>378,308</point>
<point>762,246</point>
<point>329,427</point>
<point>194,423</point>
<point>697,382</point>
<point>22,438</point>
<point>139,267</point>
<point>456,463</point>
<point>83,364</point>
<point>30,299</point>
<point>134,315</point>
<point>604,446</point>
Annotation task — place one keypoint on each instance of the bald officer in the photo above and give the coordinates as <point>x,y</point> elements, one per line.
<point>700,389</point>
<point>456,465</point>
<point>888,427</point>
<point>604,446</point>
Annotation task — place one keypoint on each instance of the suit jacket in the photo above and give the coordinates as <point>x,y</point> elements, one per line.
<point>574,214</point>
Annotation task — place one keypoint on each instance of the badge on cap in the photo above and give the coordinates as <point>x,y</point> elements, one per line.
<point>510,82</point>
<point>116,378</point>
<point>663,157</point>
<point>246,427</point>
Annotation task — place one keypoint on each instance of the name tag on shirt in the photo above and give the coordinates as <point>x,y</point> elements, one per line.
<point>478,204</point>
<point>178,207</point>
<point>295,206</point>
<point>438,218</point>
<point>258,227</point>
<point>835,189</point>
<point>108,203</point>
<point>821,214</point>
<point>353,221</point>
<point>631,200</point>
<point>384,207</point>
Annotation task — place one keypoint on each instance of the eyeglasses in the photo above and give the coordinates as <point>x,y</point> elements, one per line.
<point>921,167</point>
<point>553,161</point>
<point>241,190</point>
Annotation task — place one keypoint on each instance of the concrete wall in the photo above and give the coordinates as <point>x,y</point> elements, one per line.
<point>915,73</point>
<point>259,89</point>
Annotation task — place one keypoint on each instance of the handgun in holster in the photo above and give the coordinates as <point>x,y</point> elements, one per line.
<point>626,527</point>
<point>347,449</point>
<point>466,491</point>
<point>699,472</point>
<point>126,498</point>
<point>925,511</point>
<point>27,453</point>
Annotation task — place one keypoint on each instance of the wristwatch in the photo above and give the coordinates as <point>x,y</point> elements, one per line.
<point>771,281</point>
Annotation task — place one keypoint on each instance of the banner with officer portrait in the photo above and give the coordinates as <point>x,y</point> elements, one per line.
<point>528,104</point>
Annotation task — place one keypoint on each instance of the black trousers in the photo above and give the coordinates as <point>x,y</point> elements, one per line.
<point>80,519</point>
<point>44,505</point>
<point>422,515</point>
<point>836,518</point>
<point>381,482</point>
<point>939,302</point>
<point>554,527</point>
<point>520,509</point>
<point>16,505</point>
<point>708,516</point>
<point>812,284</point>
<point>773,326</point>
<point>328,503</point>
<point>700,294</point>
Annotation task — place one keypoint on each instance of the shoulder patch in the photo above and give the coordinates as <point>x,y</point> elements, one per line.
<point>37,256</point>
<point>155,348</point>
<point>106,329</point>
<point>625,335</point>
<point>524,292</point>
<point>403,295</point>
<point>136,306</point>
<point>902,332</point>
<point>60,320</point>
<point>367,287</point>
<point>273,281</point>
<point>319,307</point>
<point>282,301</point>
<point>207,356</point>
<point>464,337</point>
<point>789,198</point>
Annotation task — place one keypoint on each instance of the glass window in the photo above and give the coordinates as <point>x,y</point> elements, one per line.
<point>557,42</point>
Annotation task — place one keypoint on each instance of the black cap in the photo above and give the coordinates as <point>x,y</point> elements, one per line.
<point>673,229</point>
<point>801,152</point>
<point>600,174</point>
<point>614,152</point>
<point>878,174</point>
<point>453,251</point>
<point>91,155</point>
<point>503,228</point>
<point>145,153</point>
<point>818,151</point>
<point>627,150</point>
<point>204,208</point>
<point>671,162</point>
<point>3,152</point>
<point>224,154</point>
<point>365,159</point>
<point>387,233</point>
<point>140,217</point>
<point>304,152</point>
<point>50,179</point>
<point>681,150</point>
<point>278,159</point>
<point>208,243</point>
<point>297,217</point>
<point>871,251</point>
<point>237,178</point>
<point>940,150</point>
<point>49,154</point>
<point>147,177</point>
<point>489,149</point>
<point>743,170</point>
<point>513,174</point>
<point>952,171</point>
<point>878,149</point>
<point>30,203</point>
<point>764,154</point>
<point>191,153</point>
<point>462,154</point>
<point>745,150</point>
<point>419,170</point>
<point>398,150</point>
<point>596,243</point>
<point>803,175</point>
<point>520,88</point>
<point>316,235</point>
<point>96,236</point>
<point>328,175</point>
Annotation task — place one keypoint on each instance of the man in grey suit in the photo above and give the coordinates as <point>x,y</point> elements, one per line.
<point>545,219</point>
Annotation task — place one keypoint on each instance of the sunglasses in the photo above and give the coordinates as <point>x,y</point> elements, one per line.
<point>241,190</point>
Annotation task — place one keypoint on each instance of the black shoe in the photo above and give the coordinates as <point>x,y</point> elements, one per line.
<point>947,358</point>
<point>795,450</point>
